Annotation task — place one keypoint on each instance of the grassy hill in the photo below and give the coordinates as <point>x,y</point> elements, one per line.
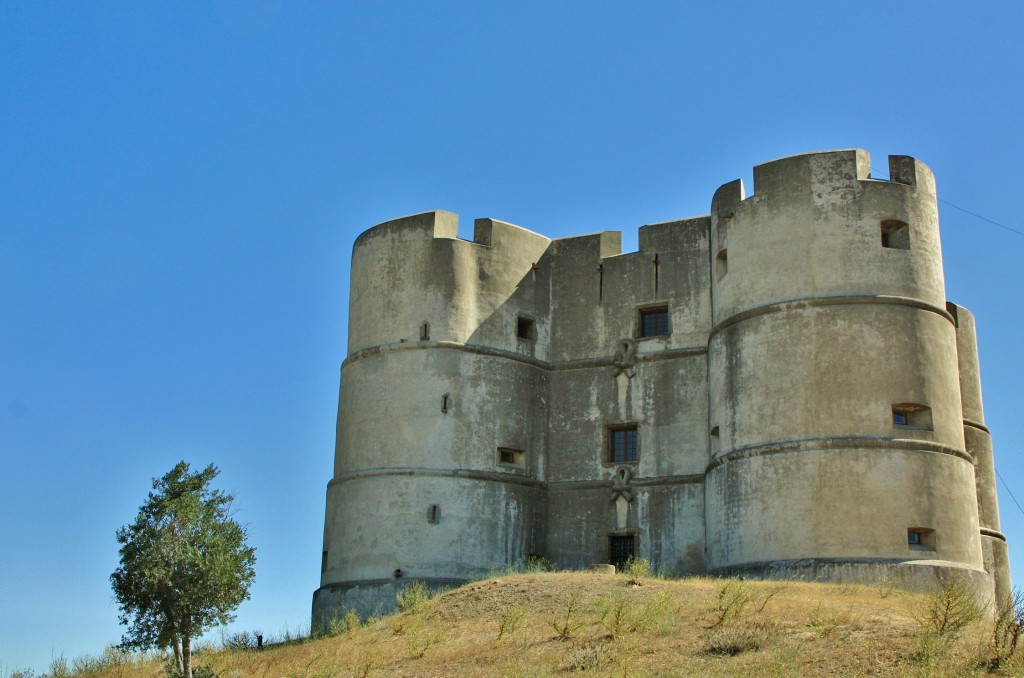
<point>550,624</point>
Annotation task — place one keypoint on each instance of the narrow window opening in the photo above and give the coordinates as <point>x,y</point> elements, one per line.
<point>715,441</point>
<point>425,331</point>
<point>622,444</point>
<point>654,322</point>
<point>446,403</point>
<point>721,264</point>
<point>526,329</point>
<point>921,538</point>
<point>398,573</point>
<point>656,263</point>
<point>912,416</point>
<point>621,549</point>
<point>323,562</point>
<point>895,234</point>
<point>434,514</point>
<point>508,456</point>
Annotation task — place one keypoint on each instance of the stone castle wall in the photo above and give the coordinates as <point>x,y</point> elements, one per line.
<point>809,406</point>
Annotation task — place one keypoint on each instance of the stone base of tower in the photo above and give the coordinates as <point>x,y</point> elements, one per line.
<point>908,575</point>
<point>366,598</point>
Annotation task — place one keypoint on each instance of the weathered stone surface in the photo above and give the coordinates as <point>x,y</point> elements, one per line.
<point>810,405</point>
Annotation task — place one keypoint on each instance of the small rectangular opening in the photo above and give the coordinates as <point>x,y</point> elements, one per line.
<point>508,456</point>
<point>654,322</point>
<point>526,329</point>
<point>912,416</point>
<point>721,264</point>
<point>434,514</point>
<point>921,538</point>
<point>895,234</point>
<point>323,562</point>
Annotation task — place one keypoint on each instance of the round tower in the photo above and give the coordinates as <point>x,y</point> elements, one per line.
<point>978,442</point>
<point>430,482</point>
<point>837,430</point>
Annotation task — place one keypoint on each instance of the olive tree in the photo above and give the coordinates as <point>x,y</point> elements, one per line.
<point>185,565</point>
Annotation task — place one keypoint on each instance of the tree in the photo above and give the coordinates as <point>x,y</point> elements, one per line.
<point>185,565</point>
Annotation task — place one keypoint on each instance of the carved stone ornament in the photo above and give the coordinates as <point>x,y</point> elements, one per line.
<point>625,357</point>
<point>622,495</point>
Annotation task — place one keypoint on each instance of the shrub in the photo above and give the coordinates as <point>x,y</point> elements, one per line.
<point>733,640</point>
<point>347,623</point>
<point>511,618</point>
<point>1007,628</point>
<point>569,624</point>
<point>949,609</point>
<point>737,598</point>
<point>637,569</point>
<point>413,598</point>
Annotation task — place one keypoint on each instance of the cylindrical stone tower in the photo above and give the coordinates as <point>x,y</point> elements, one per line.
<point>440,440</point>
<point>837,430</point>
<point>979,445</point>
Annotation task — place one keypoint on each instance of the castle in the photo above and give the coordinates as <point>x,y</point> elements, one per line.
<point>778,389</point>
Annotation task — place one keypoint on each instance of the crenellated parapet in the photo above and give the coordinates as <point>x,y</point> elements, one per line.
<point>777,388</point>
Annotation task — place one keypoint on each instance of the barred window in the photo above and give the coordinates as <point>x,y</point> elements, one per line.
<point>622,443</point>
<point>654,322</point>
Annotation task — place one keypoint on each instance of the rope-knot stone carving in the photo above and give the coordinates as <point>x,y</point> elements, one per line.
<point>625,357</point>
<point>622,494</point>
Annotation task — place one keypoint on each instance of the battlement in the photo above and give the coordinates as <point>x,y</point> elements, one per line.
<point>441,224</point>
<point>776,387</point>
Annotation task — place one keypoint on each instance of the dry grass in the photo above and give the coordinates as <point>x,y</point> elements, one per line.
<point>551,624</point>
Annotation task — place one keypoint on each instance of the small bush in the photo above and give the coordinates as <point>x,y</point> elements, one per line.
<point>660,615</point>
<point>511,618</point>
<point>413,598</point>
<point>737,598</point>
<point>949,610</point>
<point>1007,628</point>
<point>637,569</point>
<point>887,585</point>
<point>584,658</point>
<point>616,615</point>
<point>733,640</point>
<point>566,625</point>
<point>340,626</point>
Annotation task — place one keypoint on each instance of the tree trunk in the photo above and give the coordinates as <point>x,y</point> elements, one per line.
<point>186,653</point>
<point>177,656</point>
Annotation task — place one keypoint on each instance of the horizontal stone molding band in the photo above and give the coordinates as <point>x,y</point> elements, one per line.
<point>804,563</point>
<point>842,300</point>
<point>499,477</point>
<point>994,534</point>
<point>336,587</point>
<point>462,474</point>
<point>568,485</point>
<point>974,424</point>
<point>847,442</point>
<point>603,361</point>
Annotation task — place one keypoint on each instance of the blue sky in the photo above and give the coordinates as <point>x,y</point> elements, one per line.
<point>181,183</point>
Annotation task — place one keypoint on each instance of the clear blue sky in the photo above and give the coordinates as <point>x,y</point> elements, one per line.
<point>181,183</point>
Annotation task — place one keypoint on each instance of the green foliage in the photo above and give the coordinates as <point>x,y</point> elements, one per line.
<point>59,667</point>
<point>637,569</point>
<point>617,615</point>
<point>737,598</point>
<point>340,626</point>
<point>1007,628</point>
<point>568,624</point>
<point>185,565</point>
<point>949,610</point>
<point>413,598</point>
<point>511,619</point>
